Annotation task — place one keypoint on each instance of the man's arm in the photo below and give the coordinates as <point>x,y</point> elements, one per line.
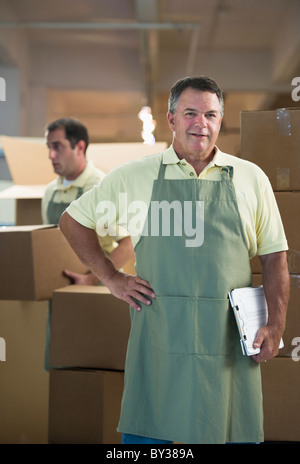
<point>123,253</point>
<point>276,282</point>
<point>85,243</point>
<point>119,256</point>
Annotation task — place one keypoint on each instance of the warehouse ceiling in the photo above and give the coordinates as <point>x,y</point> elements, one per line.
<point>250,47</point>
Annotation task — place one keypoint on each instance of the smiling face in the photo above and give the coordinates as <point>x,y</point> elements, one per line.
<point>195,126</point>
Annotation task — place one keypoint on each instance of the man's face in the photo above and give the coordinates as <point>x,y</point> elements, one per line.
<point>196,123</point>
<point>63,157</point>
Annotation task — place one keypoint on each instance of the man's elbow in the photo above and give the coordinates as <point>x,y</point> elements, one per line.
<point>66,223</point>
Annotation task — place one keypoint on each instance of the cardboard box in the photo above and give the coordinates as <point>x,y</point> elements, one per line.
<point>292,329</point>
<point>289,208</point>
<point>84,406</point>
<point>31,170</point>
<point>89,328</point>
<point>107,156</point>
<point>271,139</point>
<point>280,383</point>
<point>32,262</point>
<point>24,386</point>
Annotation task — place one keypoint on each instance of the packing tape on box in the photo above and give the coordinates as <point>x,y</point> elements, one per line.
<point>284,121</point>
<point>282,178</point>
<point>284,128</point>
<point>295,280</point>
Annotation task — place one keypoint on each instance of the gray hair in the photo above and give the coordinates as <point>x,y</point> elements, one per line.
<point>202,83</point>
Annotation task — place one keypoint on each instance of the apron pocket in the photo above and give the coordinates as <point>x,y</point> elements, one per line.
<point>171,320</point>
<point>215,329</point>
<point>190,325</point>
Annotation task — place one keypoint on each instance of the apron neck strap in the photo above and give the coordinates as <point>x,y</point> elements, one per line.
<point>226,172</point>
<point>161,173</point>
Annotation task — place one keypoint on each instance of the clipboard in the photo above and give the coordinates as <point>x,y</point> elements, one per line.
<point>251,313</point>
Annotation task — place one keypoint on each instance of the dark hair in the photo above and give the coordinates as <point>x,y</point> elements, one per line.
<point>203,83</point>
<point>74,130</point>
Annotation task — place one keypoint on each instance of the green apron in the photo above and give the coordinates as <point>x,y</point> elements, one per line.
<point>186,379</point>
<point>54,211</point>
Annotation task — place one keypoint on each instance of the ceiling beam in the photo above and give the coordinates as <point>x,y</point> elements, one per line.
<point>99,26</point>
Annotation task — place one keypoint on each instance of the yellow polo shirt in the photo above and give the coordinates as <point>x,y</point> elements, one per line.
<point>129,186</point>
<point>89,177</point>
<point>86,180</point>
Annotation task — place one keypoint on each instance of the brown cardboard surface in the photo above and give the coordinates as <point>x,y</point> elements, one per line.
<point>24,384</point>
<point>107,156</point>
<point>28,211</point>
<point>292,330</point>
<point>26,192</point>
<point>84,406</point>
<point>31,170</point>
<point>27,161</point>
<point>271,139</point>
<point>32,262</point>
<point>289,208</point>
<point>28,202</point>
<point>89,328</point>
<point>281,399</point>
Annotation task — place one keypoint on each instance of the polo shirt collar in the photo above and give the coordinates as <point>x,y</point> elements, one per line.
<point>170,157</point>
<point>80,180</point>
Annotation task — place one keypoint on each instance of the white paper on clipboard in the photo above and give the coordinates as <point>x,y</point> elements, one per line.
<point>251,313</point>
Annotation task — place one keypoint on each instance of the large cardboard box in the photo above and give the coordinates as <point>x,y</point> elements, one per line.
<point>271,139</point>
<point>107,156</point>
<point>84,406</point>
<point>89,328</point>
<point>289,208</point>
<point>281,399</point>
<point>292,330</point>
<point>24,384</point>
<point>31,170</point>
<point>32,262</point>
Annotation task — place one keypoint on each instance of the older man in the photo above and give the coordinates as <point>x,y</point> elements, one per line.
<point>186,379</point>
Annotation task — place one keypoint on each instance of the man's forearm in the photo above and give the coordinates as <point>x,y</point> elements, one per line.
<point>276,282</point>
<point>85,243</point>
<point>122,253</point>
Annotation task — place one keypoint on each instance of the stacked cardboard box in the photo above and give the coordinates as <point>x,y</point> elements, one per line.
<point>33,259</point>
<point>84,406</point>
<point>32,262</point>
<point>89,330</point>
<point>31,170</point>
<point>271,139</point>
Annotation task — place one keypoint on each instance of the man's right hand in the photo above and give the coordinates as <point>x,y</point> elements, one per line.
<point>131,289</point>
